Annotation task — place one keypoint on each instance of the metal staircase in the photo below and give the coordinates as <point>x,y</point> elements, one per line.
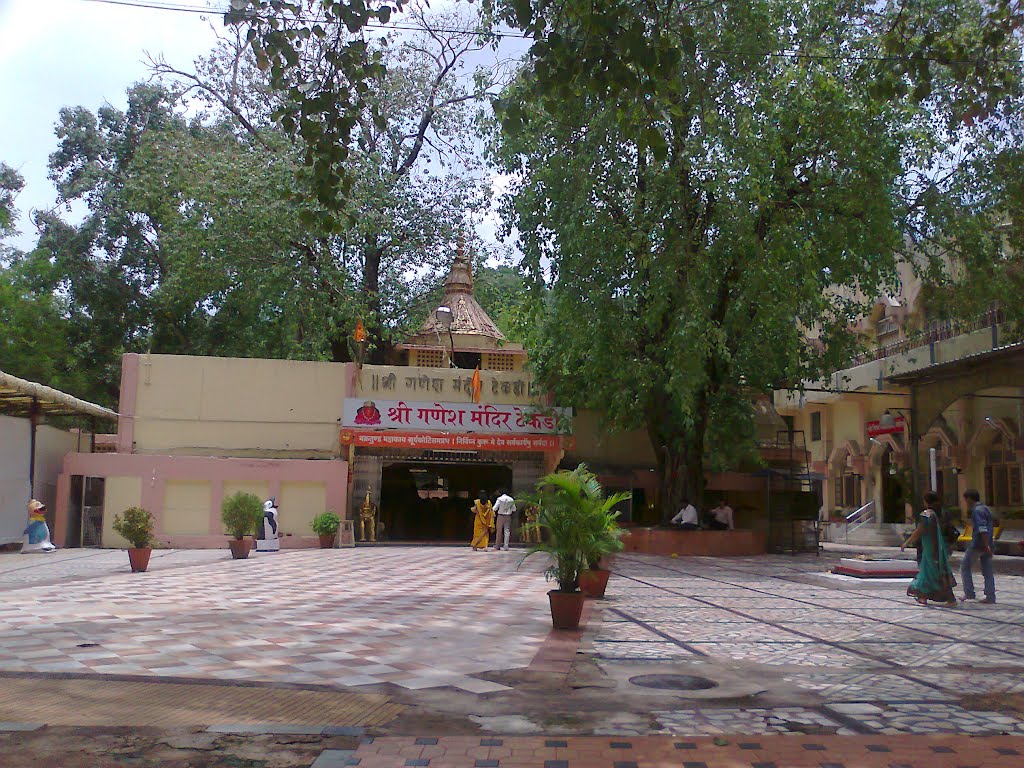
<point>793,524</point>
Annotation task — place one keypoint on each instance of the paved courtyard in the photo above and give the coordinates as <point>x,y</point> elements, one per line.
<point>874,660</point>
<point>416,618</point>
<point>460,642</point>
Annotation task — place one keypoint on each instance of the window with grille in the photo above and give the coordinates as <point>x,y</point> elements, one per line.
<point>500,361</point>
<point>886,328</point>
<point>847,490</point>
<point>430,358</point>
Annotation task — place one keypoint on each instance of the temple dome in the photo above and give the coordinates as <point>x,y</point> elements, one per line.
<point>468,317</point>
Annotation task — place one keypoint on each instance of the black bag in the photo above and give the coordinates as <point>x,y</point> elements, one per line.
<point>947,526</point>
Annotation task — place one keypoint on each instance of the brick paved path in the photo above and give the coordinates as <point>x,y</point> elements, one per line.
<point>665,752</point>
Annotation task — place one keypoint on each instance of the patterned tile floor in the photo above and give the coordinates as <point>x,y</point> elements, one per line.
<point>415,617</point>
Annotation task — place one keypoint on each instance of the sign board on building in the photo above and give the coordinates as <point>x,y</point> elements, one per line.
<point>458,418</point>
<point>447,384</point>
<point>465,442</point>
<point>875,428</point>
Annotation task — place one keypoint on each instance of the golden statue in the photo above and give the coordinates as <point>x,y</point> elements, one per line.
<point>367,518</point>
<point>531,531</point>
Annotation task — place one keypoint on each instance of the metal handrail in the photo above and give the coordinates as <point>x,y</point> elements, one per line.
<point>936,332</point>
<point>857,518</point>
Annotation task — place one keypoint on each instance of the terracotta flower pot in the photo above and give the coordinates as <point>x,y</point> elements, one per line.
<point>240,548</point>
<point>594,582</point>
<point>139,558</point>
<point>327,541</point>
<point>566,608</point>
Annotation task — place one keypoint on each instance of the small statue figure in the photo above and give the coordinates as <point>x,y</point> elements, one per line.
<point>268,539</point>
<point>367,518</point>
<point>531,531</point>
<point>37,532</point>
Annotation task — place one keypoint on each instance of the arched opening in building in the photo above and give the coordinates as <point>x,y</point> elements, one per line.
<point>895,488</point>
<point>426,501</point>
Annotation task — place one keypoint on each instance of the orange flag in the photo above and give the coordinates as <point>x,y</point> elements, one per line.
<point>476,385</point>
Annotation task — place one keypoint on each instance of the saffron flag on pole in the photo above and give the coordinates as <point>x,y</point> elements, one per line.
<point>476,385</point>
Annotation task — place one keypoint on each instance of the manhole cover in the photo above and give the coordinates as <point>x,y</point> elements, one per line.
<point>674,682</point>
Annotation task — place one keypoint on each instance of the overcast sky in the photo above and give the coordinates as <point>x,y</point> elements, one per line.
<point>56,53</point>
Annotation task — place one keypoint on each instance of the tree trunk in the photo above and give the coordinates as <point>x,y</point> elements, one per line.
<point>671,482</point>
<point>680,468</point>
<point>371,288</point>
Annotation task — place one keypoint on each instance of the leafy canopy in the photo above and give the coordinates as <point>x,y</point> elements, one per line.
<point>705,196</point>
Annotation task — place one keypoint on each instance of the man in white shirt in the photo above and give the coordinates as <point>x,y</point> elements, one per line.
<point>721,517</point>
<point>504,506</point>
<point>686,518</point>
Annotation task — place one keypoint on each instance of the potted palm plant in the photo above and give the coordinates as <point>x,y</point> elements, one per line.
<point>604,538</point>
<point>136,525</point>
<point>240,514</point>
<point>325,525</point>
<point>568,504</point>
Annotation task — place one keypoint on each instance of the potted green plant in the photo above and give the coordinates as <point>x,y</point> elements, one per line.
<point>136,525</point>
<point>604,536</point>
<point>241,513</point>
<point>325,525</point>
<point>569,505</point>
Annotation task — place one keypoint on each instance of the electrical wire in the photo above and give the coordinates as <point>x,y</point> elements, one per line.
<point>794,55</point>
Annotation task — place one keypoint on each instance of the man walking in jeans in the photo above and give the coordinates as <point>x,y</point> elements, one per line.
<point>504,506</point>
<point>981,545</point>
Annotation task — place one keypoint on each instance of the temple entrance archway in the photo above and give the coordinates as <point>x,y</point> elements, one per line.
<point>428,501</point>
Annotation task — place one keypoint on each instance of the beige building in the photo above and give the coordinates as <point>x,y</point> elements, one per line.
<point>422,439</point>
<point>940,398</point>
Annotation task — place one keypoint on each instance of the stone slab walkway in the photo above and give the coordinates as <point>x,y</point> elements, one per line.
<point>875,661</point>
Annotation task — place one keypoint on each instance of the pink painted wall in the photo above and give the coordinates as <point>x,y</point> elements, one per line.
<point>155,471</point>
<point>126,403</point>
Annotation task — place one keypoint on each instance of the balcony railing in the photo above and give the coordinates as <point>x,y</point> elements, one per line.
<point>936,332</point>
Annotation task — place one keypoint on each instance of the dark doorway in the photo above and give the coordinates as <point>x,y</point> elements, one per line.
<point>894,491</point>
<point>85,511</point>
<point>431,502</point>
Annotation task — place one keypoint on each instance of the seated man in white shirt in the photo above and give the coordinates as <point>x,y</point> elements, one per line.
<point>721,517</point>
<point>686,518</point>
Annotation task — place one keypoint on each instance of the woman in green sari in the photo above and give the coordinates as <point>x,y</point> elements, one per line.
<point>934,580</point>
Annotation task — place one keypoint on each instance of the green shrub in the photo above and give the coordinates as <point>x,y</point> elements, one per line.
<point>326,524</point>
<point>135,525</point>
<point>241,513</point>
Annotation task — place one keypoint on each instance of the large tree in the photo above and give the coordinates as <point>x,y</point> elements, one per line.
<point>704,195</point>
<point>385,127</point>
<point>203,235</point>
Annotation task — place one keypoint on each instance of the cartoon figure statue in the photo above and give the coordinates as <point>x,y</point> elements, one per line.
<point>268,540</point>
<point>367,518</point>
<point>37,532</point>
